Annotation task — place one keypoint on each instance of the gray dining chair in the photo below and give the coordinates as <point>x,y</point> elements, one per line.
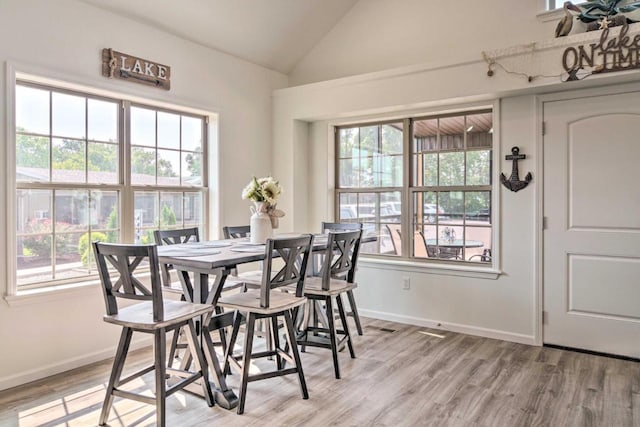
<point>336,278</point>
<point>118,266</point>
<point>270,304</point>
<point>347,226</point>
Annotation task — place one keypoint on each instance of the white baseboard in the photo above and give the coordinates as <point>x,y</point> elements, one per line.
<point>66,365</point>
<point>454,327</point>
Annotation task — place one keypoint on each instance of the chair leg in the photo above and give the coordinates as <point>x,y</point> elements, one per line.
<point>116,371</point>
<point>345,326</point>
<point>332,336</point>
<point>291,336</point>
<point>199,360</point>
<point>237,321</point>
<point>354,311</point>
<point>222,332</point>
<point>246,360</point>
<point>160,350</point>
<point>276,342</point>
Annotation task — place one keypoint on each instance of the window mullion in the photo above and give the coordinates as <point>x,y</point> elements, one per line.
<point>407,209</point>
<point>127,225</point>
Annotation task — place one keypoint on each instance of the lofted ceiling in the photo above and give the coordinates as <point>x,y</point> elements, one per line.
<point>273,33</point>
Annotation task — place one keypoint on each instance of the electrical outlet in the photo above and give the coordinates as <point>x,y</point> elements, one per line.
<point>406,283</point>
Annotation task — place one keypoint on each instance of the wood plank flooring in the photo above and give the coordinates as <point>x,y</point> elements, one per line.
<point>411,376</point>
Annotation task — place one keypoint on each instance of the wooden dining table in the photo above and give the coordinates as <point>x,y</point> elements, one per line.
<point>219,258</point>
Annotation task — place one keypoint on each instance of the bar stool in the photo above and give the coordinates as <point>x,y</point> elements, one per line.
<point>347,226</point>
<point>152,316</point>
<point>335,279</point>
<point>266,304</point>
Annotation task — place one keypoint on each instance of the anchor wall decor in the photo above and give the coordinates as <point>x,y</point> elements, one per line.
<point>514,183</point>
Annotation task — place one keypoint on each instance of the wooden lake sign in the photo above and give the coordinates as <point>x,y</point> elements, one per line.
<point>609,54</point>
<point>117,65</point>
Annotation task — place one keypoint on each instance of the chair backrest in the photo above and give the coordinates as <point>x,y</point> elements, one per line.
<point>294,253</point>
<point>432,251</point>
<point>341,256</point>
<point>396,237</point>
<point>121,280</point>
<point>341,226</point>
<point>174,237</point>
<point>236,232</point>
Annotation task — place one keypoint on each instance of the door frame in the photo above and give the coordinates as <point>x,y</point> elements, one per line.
<point>540,100</point>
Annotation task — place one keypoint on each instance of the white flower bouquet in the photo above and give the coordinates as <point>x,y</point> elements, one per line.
<point>265,193</point>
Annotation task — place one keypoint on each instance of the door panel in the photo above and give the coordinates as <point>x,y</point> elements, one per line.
<point>592,240</point>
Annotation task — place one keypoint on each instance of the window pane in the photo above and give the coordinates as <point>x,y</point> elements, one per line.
<point>450,207</point>
<point>68,262</point>
<point>191,169</point>
<point>105,215</point>
<point>451,133</point>
<point>103,163</point>
<point>392,138</point>
<point>170,210</point>
<point>143,166</point>
<point>478,207</point>
<point>348,142</point>
<point>32,110</point>
<point>69,115</point>
<point>168,167</point>
<point>72,210</point>
<point>193,209</point>
<point>368,140</point>
<point>480,130</point>
<point>34,259</point>
<point>476,236</point>
<point>349,169</point>
<point>32,158</point>
<point>425,135</point>
<point>33,211</point>
<point>145,216</point>
<point>430,167</point>
<point>191,134</point>
<point>479,167</point>
<point>143,127</point>
<point>452,168</point>
<point>68,160</point>
<point>168,130</point>
<point>103,120</point>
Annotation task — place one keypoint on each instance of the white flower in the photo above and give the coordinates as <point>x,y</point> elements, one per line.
<point>265,189</point>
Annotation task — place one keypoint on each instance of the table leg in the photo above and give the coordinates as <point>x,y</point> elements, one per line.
<point>224,396</point>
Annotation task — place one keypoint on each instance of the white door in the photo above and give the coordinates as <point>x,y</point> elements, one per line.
<point>592,235</point>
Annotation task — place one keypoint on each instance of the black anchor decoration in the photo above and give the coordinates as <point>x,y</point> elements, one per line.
<point>514,183</point>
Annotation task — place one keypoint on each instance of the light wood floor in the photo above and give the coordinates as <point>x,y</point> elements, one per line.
<point>403,376</point>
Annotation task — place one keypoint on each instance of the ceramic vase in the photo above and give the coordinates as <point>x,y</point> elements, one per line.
<point>260,223</point>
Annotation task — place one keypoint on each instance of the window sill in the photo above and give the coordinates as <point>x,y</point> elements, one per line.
<point>420,267</point>
<point>52,293</point>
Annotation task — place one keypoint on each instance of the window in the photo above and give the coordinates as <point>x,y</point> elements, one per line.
<point>443,211</point>
<point>557,4</point>
<point>81,176</point>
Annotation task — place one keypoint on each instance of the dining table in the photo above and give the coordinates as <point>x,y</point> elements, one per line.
<point>219,258</point>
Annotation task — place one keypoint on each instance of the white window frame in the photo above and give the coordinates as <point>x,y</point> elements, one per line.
<point>21,72</point>
<point>409,264</point>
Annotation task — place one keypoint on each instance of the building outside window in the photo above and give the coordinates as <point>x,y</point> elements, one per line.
<point>83,175</point>
<point>424,184</point>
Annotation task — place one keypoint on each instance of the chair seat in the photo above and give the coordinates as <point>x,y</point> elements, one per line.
<point>250,301</point>
<point>140,316</point>
<point>313,286</point>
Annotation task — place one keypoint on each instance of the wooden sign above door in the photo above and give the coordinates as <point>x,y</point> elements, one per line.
<point>117,65</point>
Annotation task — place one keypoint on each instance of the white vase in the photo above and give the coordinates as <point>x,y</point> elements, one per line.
<point>260,224</point>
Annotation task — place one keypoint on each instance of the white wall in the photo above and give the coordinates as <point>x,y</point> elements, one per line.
<point>507,307</point>
<point>64,39</point>
<point>379,35</point>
